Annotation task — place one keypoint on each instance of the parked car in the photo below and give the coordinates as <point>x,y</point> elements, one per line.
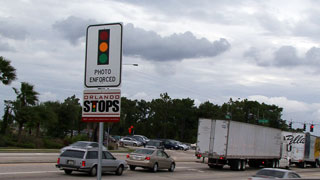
<point>170,144</point>
<point>141,139</point>
<point>182,146</point>
<point>85,160</point>
<point>273,173</point>
<point>129,141</point>
<point>83,144</point>
<point>155,144</point>
<point>152,159</point>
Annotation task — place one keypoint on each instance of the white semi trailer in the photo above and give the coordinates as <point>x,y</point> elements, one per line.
<point>303,149</point>
<point>237,144</point>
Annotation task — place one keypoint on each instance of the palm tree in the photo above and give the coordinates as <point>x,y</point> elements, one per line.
<point>7,72</point>
<point>26,98</point>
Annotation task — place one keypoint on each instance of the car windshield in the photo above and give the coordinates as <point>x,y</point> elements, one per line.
<point>270,173</point>
<point>144,151</point>
<point>80,144</point>
<point>73,154</point>
<point>153,143</point>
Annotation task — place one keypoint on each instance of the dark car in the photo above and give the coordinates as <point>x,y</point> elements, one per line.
<point>155,144</point>
<point>170,144</point>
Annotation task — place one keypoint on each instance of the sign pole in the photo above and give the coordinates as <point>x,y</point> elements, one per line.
<point>100,150</point>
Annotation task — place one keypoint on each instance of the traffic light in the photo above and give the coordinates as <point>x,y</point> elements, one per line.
<point>311,128</point>
<point>103,47</point>
<point>304,127</point>
<point>94,106</point>
<point>290,125</point>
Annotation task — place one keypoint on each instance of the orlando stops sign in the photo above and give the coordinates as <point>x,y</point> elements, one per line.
<point>101,105</point>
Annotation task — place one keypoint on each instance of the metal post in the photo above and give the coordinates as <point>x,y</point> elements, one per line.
<point>108,136</point>
<point>100,150</point>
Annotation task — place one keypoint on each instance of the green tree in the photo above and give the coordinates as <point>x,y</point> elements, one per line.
<point>7,117</point>
<point>26,97</point>
<point>7,72</point>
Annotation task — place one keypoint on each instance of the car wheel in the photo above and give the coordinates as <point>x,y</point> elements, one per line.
<point>119,170</point>
<point>132,168</point>
<point>172,166</point>
<point>155,167</point>
<point>67,171</point>
<point>134,144</point>
<point>93,171</point>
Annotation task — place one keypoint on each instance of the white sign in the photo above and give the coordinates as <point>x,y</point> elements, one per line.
<point>103,55</point>
<point>101,105</point>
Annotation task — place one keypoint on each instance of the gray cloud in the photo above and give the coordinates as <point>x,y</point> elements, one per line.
<point>285,56</point>
<point>313,56</point>
<point>5,47</point>
<point>11,30</point>
<point>73,28</point>
<point>151,46</point>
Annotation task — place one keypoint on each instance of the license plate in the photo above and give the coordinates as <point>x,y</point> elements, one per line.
<point>70,162</point>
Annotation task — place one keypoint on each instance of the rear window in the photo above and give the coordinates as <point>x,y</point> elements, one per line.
<point>73,154</point>
<point>144,151</point>
<point>270,173</point>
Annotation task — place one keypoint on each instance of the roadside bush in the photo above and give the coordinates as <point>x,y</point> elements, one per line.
<point>69,140</point>
<point>52,143</point>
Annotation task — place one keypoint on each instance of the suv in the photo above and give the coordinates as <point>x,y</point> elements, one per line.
<point>85,160</point>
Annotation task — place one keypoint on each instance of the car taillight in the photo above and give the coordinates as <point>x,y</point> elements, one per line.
<point>83,163</point>
<point>148,158</point>
<point>58,161</point>
<point>128,156</point>
<point>221,158</point>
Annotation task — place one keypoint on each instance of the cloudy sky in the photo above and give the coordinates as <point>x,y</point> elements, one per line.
<point>205,50</point>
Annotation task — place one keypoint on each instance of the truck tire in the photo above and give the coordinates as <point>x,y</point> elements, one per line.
<point>243,165</point>
<point>303,164</point>
<point>67,171</point>
<point>236,165</point>
<point>315,164</point>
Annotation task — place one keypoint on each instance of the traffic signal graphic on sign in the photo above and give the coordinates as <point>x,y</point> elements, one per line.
<point>311,128</point>
<point>103,46</point>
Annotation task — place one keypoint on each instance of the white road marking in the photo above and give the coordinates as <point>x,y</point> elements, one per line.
<point>31,172</point>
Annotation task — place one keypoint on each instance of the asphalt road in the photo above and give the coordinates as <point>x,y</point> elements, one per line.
<point>33,166</point>
<point>184,171</point>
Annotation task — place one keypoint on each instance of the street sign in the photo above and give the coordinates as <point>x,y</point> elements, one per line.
<point>103,55</point>
<point>101,105</point>
<point>263,120</point>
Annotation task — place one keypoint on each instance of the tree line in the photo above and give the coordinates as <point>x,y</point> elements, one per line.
<point>164,117</point>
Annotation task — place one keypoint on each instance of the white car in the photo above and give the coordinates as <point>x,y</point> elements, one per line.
<point>83,145</point>
<point>273,173</point>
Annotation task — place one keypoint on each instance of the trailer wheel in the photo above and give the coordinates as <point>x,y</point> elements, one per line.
<point>236,165</point>
<point>315,164</point>
<point>243,165</point>
<point>303,164</point>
